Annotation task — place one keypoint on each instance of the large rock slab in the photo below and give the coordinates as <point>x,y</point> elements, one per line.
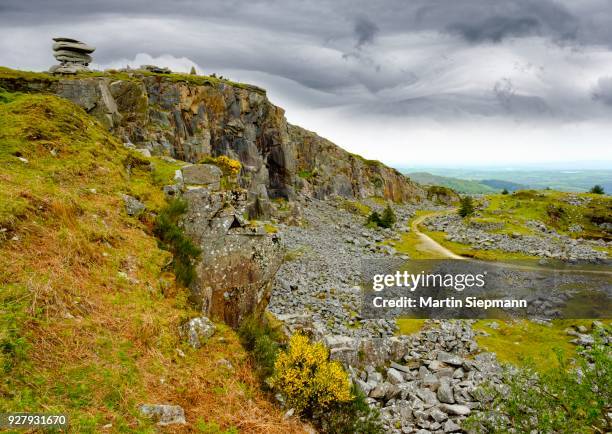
<point>238,263</point>
<point>202,174</point>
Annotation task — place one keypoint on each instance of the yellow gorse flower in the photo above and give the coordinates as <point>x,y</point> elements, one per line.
<point>228,166</point>
<point>307,378</point>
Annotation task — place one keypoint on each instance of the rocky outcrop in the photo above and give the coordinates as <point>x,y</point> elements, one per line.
<point>238,262</point>
<point>190,117</point>
<point>323,169</point>
<point>73,55</point>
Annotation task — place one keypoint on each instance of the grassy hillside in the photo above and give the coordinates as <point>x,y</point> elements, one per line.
<point>459,185</point>
<point>88,314</point>
<point>573,214</point>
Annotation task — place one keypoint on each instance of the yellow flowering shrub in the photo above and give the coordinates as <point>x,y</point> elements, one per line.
<point>307,379</point>
<point>228,166</point>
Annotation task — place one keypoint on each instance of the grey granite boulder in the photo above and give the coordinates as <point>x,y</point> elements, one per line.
<point>133,206</point>
<point>164,414</point>
<point>202,174</point>
<point>197,331</point>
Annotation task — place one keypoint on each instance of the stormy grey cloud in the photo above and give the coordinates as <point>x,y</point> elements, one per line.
<point>496,28</point>
<point>603,91</point>
<point>365,31</point>
<point>425,69</point>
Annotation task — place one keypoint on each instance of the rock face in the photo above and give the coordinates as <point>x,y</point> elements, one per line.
<point>73,55</point>
<point>193,117</point>
<point>238,262</point>
<point>202,174</point>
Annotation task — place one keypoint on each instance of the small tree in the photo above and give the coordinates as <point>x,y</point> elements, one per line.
<point>597,189</point>
<point>373,219</point>
<point>505,191</point>
<point>388,218</point>
<point>193,71</point>
<point>466,206</point>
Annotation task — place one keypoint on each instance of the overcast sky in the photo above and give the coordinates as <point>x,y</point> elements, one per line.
<point>409,82</point>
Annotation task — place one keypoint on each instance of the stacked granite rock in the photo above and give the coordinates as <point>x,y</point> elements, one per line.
<point>73,55</point>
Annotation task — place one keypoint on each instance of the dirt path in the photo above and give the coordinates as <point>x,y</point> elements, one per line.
<point>429,245</point>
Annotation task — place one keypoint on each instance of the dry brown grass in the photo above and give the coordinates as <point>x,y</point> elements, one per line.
<point>90,315</point>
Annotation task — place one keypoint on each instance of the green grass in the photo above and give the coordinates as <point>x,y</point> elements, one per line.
<point>469,252</point>
<point>409,326</point>
<point>551,208</point>
<point>524,342</point>
<point>88,313</point>
<point>410,244</point>
<point>306,174</point>
<point>356,207</point>
<point>199,80</point>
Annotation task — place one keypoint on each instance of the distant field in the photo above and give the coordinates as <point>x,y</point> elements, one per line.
<point>475,181</point>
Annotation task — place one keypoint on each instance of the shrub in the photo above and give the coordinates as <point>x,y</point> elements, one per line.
<point>504,191</point>
<point>308,380</point>
<point>597,189</point>
<point>263,342</point>
<point>373,219</point>
<point>466,206</point>
<point>567,399</point>
<point>228,166</point>
<point>172,238</point>
<point>307,174</point>
<point>388,218</point>
<point>354,416</point>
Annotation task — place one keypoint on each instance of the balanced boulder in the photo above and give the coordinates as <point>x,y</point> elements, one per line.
<point>73,55</point>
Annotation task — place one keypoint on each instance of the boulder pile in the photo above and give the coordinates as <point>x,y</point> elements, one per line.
<point>73,55</point>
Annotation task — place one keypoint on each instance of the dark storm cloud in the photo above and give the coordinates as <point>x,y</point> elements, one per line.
<point>393,56</point>
<point>365,31</point>
<point>495,29</point>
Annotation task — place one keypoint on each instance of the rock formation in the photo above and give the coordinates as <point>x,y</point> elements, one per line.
<point>238,262</point>
<point>192,117</point>
<point>73,55</point>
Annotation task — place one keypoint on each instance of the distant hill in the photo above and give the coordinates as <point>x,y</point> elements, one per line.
<point>459,185</point>
<point>499,184</point>
<point>569,180</point>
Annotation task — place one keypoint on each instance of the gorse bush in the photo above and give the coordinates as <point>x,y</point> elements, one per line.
<point>597,189</point>
<point>315,387</point>
<point>308,380</point>
<point>172,238</point>
<point>228,166</point>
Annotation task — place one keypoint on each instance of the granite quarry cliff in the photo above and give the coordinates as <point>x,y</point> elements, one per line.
<point>190,117</point>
